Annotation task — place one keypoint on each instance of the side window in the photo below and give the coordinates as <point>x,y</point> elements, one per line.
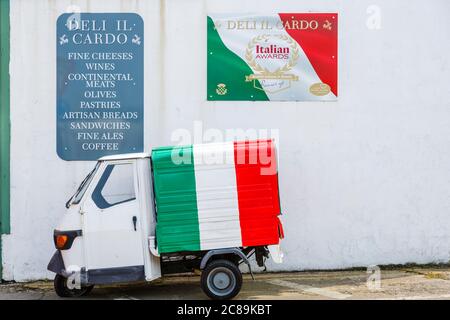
<point>115,186</point>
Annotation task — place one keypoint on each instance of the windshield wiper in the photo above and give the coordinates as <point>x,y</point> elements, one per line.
<point>68,203</point>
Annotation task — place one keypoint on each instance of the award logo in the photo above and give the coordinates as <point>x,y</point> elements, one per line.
<point>272,57</point>
<point>221,89</point>
<point>319,89</point>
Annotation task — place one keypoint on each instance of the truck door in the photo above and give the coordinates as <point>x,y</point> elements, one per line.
<point>151,262</point>
<point>112,226</point>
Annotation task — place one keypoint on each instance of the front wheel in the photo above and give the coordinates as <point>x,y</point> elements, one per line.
<point>221,279</point>
<point>62,290</point>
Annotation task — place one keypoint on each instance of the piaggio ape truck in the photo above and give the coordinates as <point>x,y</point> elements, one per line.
<point>137,217</point>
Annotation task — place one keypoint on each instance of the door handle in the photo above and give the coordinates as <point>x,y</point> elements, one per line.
<point>134,222</point>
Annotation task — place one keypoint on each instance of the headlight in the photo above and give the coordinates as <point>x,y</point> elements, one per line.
<point>61,241</point>
<point>64,239</point>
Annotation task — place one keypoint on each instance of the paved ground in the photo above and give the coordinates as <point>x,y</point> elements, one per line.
<point>403,283</point>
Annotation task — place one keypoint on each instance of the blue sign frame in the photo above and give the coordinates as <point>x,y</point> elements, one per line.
<point>100,82</point>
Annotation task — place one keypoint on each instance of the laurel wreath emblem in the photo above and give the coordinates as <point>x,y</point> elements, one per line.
<point>264,71</point>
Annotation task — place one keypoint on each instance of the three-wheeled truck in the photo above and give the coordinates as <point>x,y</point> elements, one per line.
<point>136,217</point>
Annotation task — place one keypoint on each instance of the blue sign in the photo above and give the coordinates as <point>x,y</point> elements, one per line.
<point>100,81</point>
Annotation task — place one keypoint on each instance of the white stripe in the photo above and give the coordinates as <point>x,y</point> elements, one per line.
<point>309,289</point>
<point>217,202</point>
<point>237,41</point>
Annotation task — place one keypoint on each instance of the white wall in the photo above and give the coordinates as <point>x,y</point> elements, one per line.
<point>364,180</point>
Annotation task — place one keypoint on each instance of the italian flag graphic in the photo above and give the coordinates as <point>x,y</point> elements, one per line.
<point>217,195</point>
<point>284,57</point>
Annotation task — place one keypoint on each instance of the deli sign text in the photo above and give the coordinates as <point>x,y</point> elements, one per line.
<point>99,84</point>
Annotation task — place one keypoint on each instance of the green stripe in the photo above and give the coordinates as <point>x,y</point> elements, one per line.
<point>177,226</point>
<point>226,67</point>
<point>4,122</point>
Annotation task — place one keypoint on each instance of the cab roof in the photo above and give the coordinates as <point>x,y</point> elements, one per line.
<point>123,156</point>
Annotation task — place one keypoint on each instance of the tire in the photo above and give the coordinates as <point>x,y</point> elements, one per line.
<point>61,289</point>
<point>221,280</point>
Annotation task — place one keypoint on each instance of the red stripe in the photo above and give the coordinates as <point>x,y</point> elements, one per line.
<point>320,45</point>
<point>257,187</point>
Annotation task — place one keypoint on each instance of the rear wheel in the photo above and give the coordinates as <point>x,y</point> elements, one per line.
<point>221,279</point>
<point>62,290</point>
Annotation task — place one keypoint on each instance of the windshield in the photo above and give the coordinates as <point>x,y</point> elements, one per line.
<point>82,188</point>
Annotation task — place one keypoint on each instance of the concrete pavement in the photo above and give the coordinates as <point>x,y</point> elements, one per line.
<point>398,283</point>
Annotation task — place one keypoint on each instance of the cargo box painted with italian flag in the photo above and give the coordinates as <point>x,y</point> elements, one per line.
<point>207,207</point>
<point>216,195</point>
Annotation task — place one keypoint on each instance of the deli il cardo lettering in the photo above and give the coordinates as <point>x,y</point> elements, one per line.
<point>97,32</point>
<point>268,25</point>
